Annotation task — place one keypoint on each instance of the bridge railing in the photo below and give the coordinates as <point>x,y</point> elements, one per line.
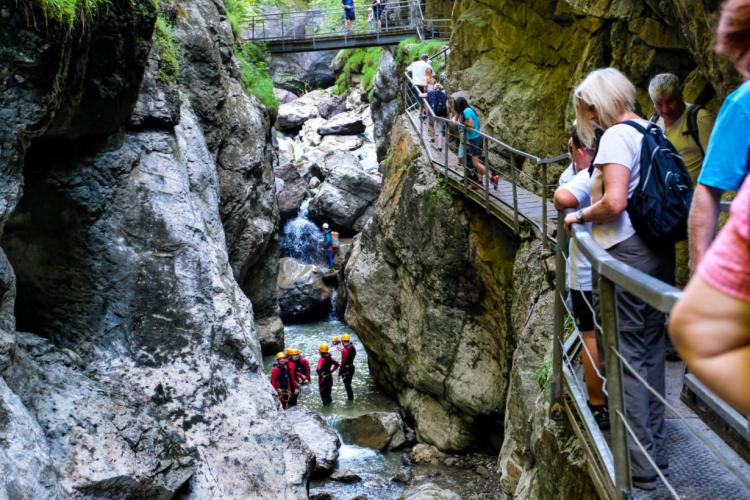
<point>609,457</point>
<point>318,23</point>
<point>499,158</point>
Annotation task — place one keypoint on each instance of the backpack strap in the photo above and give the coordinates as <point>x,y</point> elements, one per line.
<point>692,125</point>
<point>654,118</point>
<point>640,128</point>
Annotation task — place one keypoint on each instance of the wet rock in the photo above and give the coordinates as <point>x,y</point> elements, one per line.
<point>157,105</point>
<point>318,436</point>
<point>406,458</point>
<point>451,462</point>
<point>284,96</point>
<point>290,150</point>
<point>7,349</point>
<point>291,188</point>
<point>321,496</point>
<point>429,491</point>
<point>380,430</point>
<point>343,124</point>
<point>403,476</point>
<point>481,470</point>
<point>425,454</point>
<point>360,497</point>
<point>302,293</point>
<point>344,198</point>
<point>345,476</point>
<point>270,333</point>
<point>385,105</point>
<point>303,70</point>
<point>314,182</point>
<point>332,106</point>
<point>340,143</point>
<point>333,160</point>
<point>411,437</point>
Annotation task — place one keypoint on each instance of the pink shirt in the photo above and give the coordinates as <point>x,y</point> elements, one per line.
<point>726,265</point>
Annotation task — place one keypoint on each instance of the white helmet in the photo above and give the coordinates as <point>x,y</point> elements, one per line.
<point>325,225</point>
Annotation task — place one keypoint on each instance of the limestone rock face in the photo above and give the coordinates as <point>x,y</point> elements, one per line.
<point>302,293</point>
<point>385,104</point>
<point>320,438</point>
<point>379,430</point>
<point>332,107</point>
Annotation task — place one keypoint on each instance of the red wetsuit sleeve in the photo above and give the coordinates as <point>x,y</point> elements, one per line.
<point>292,375</point>
<point>306,364</point>
<point>275,377</point>
<point>344,355</point>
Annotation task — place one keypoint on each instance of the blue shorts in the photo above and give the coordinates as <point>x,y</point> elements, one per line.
<point>377,11</point>
<point>349,14</point>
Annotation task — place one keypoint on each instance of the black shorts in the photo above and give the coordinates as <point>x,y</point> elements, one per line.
<point>349,14</point>
<point>377,11</point>
<point>582,313</point>
<point>474,147</point>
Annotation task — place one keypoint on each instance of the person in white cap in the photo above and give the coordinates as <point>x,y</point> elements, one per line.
<point>328,249</point>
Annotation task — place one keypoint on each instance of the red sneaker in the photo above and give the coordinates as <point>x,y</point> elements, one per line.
<point>495,179</point>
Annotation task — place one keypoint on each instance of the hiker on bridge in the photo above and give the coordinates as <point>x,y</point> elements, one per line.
<point>606,98</point>
<point>378,6</point>
<point>418,70</point>
<point>326,366</point>
<point>347,365</point>
<point>688,128</point>
<point>474,144</point>
<point>349,14</point>
<point>574,193</point>
<point>437,100</point>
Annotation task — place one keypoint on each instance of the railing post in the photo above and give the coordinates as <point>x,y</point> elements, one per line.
<point>516,224</point>
<point>545,240</point>
<point>487,172</point>
<point>559,331</point>
<point>445,147</point>
<point>282,30</point>
<point>616,397</point>
<point>462,131</point>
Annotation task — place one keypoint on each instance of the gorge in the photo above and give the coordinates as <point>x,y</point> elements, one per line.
<point>159,224</point>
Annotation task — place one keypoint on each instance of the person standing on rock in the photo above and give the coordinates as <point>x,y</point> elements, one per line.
<point>347,365</point>
<point>326,366</point>
<point>281,379</point>
<point>328,248</point>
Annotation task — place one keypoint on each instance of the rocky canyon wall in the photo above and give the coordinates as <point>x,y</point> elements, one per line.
<point>133,208</point>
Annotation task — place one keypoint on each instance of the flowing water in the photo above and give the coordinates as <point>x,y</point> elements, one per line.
<point>301,238</point>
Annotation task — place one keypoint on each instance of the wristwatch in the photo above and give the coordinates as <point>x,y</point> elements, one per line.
<point>579,216</point>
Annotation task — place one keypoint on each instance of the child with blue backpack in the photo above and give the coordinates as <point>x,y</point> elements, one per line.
<point>437,99</point>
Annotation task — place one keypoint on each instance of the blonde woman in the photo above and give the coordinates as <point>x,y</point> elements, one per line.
<point>606,99</point>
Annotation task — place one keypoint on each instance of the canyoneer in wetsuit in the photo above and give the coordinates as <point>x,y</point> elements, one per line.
<point>326,366</point>
<point>292,367</point>
<point>303,367</point>
<point>347,365</point>
<point>337,346</point>
<point>281,379</point>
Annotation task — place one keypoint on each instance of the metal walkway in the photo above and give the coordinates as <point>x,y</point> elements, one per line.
<point>702,463</point>
<point>324,29</point>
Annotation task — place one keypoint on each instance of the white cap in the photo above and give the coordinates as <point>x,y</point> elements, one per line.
<point>325,225</point>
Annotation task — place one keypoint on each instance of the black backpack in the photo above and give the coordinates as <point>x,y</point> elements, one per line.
<point>440,107</point>
<point>660,204</point>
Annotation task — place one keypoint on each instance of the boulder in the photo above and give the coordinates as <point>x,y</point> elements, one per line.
<point>385,105</point>
<point>302,293</point>
<point>284,96</point>
<point>345,476</point>
<point>270,333</point>
<point>403,476</point>
<point>309,135</point>
<point>293,115</point>
<point>318,436</point>
<point>303,70</point>
<point>332,106</point>
<point>290,150</point>
<point>425,454</point>
<point>429,491</point>
<point>291,188</point>
<point>314,182</point>
<point>345,197</point>
<point>340,143</point>
<point>347,123</point>
<point>332,161</point>
<point>380,430</point>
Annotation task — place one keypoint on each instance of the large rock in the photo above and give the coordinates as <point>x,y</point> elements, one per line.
<point>302,293</point>
<point>302,70</point>
<point>331,143</point>
<point>332,106</point>
<point>429,491</point>
<point>284,96</point>
<point>270,333</point>
<point>318,436</point>
<point>343,124</point>
<point>344,198</point>
<point>385,104</point>
<point>291,188</point>
<point>293,115</point>
<point>380,430</point>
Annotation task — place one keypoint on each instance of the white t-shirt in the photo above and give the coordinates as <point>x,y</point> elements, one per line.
<point>620,144</point>
<point>579,272</point>
<point>418,71</point>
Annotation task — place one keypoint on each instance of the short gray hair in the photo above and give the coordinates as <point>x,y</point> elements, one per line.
<point>664,85</point>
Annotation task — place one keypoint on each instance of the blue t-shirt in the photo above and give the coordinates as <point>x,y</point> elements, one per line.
<point>727,159</point>
<point>349,3</point>
<point>470,113</point>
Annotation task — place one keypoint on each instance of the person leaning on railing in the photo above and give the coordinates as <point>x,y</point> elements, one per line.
<point>606,98</point>
<point>574,193</point>
<point>710,325</point>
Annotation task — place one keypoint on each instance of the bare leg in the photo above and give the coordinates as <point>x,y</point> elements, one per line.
<point>593,382</point>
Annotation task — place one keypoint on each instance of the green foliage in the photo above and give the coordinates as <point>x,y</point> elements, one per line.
<point>238,11</point>
<point>358,61</point>
<point>438,196</point>
<point>67,11</point>
<point>411,48</point>
<point>170,54</point>
<point>542,373</point>
<point>252,59</point>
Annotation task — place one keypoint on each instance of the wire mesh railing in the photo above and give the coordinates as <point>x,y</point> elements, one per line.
<point>319,23</point>
<point>609,455</point>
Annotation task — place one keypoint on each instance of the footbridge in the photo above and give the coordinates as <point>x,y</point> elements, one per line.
<point>707,441</point>
<point>285,31</point>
